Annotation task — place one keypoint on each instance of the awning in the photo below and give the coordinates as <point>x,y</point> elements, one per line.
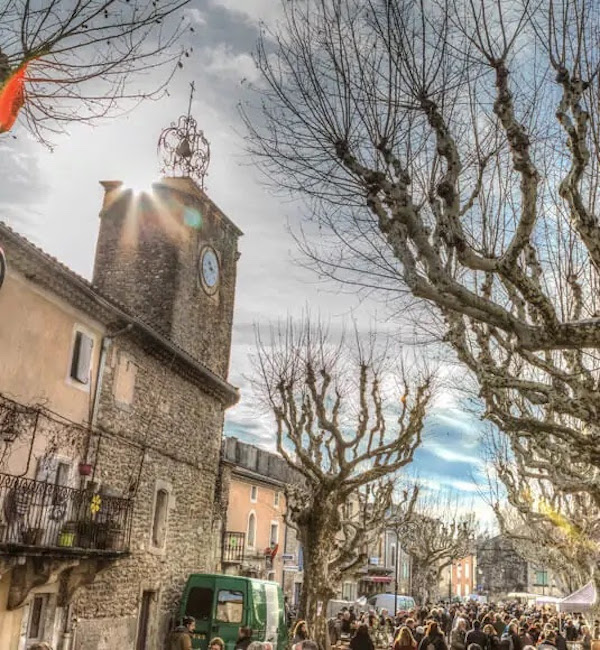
<point>384,579</point>
<point>580,600</point>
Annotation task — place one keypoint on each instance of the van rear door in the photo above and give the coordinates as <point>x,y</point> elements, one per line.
<point>198,601</point>
<point>231,608</point>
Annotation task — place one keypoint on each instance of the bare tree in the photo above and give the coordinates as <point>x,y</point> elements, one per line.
<point>547,526</point>
<point>434,533</point>
<point>451,150</point>
<point>334,427</point>
<point>82,57</point>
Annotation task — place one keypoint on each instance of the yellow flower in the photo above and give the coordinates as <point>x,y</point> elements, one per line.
<point>95,504</point>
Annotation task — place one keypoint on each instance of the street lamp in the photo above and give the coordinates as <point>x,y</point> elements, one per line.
<point>396,573</point>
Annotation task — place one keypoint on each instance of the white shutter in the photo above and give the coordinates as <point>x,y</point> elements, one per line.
<point>82,357</point>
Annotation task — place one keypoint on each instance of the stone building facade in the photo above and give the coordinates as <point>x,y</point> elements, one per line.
<point>500,569</point>
<point>139,434</point>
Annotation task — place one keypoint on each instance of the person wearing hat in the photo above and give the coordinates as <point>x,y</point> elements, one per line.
<point>181,637</point>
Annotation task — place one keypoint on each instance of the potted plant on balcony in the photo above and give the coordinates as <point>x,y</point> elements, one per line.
<point>66,537</point>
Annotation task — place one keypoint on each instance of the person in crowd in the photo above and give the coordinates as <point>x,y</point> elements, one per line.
<point>492,642</point>
<point>524,636</point>
<point>586,638</point>
<point>257,645</point>
<point>474,646</point>
<point>346,624</point>
<point>216,644</point>
<point>181,637</point>
<point>244,638</point>
<point>307,644</point>
<point>433,639</point>
<point>561,642</point>
<point>419,633</point>
<point>352,614</point>
<point>405,640</point>
<point>458,635</point>
<point>570,630</point>
<point>548,642</point>
<point>42,645</point>
<point>499,625</point>
<point>476,635</point>
<point>510,639</point>
<point>362,639</point>
<point>300,633</point>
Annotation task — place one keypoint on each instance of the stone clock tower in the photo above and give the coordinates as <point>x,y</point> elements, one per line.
<point>169,256</point>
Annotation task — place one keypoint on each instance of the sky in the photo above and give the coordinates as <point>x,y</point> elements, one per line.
<point>54,197</point>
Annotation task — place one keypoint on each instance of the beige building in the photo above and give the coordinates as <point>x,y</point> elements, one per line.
<point>112,398</point>
<point>257,540</point>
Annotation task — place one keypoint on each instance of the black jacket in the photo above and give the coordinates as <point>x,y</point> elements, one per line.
<point>478,637</point>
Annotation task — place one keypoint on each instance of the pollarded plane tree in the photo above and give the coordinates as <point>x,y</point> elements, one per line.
<point>338,428</point>
<point>73,61</point>
<point>549,527</point>
<point>451,151</point>
<point>434,533</point>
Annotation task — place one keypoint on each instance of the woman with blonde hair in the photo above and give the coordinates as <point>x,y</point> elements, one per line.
<point>405,639</point>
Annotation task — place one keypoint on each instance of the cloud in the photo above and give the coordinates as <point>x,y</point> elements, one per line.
<point>196,16</point>
<point>252,11</point>
<point>449,454</point>
<point>223,62</point>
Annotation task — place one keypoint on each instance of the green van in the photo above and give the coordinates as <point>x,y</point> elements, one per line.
<point>221,604</point>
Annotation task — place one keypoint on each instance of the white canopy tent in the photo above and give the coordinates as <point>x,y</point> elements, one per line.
<point>579,601</point>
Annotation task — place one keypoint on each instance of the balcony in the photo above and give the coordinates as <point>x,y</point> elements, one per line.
<point>233,548</point>
<point>38,518</point>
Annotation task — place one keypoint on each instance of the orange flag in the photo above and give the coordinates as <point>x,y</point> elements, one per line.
<point>12,98</point>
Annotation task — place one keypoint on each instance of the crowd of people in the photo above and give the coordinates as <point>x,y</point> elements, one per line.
<point>471,626</point>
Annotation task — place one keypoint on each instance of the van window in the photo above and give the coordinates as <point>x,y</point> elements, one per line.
<point>199,603</point>
<point>230,606</point>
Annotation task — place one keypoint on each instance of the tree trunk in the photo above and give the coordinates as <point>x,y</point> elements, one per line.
<point>318,536</point>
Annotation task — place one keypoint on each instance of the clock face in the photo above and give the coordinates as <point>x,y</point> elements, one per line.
<point>209,269</point>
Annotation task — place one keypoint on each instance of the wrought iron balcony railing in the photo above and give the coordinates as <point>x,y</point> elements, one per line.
<point>39,515</point>
<point>233,547</point>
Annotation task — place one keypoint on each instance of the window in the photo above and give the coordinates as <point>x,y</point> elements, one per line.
<point>124,385</point>
<point>541,578</point>
<point>148,597</point>
<point>405,570</point>
<point>230,606</point>
<point>159,523</point>
<point>466,570</point>
<point>37,610</point>
<point>253,493</point>
<point>459,590</point>
<point>393,555</point>
<point>81,358</point>
<point>348,591</point>
<point>199,603</point>
<point>251,536</point>
<point>271,576</point>
<point>276,499</point>
<point>61,479</point>
<point>274,535</point>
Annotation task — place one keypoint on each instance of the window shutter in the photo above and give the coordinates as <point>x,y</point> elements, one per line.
<point>46,469</point>
<point>82,357</point>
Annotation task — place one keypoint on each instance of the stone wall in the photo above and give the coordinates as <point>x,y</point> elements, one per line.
<point>168,437</point>
<point>500,569</point>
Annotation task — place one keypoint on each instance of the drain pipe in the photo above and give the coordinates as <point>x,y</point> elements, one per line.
<point>106,343</point>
